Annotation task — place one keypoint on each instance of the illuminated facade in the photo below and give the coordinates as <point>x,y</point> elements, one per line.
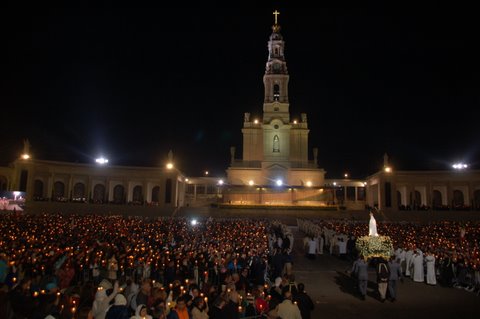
<point>275,147</point>
<point>92,183</point>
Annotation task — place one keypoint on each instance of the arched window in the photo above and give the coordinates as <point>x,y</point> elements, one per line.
<point>276,144</point>
<point>276,92</point>
<point>476,197</point>
<point>137,195</point>
<point>458,200</point>
<point>436,199</point>
<point>118,194</point>
<point>59,191</point>
<point>156,194</point>
<point>99,193</point>
<point>37,189</point>
<point>79,191</point>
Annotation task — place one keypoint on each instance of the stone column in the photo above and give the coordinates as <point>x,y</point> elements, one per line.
<point>51,179</point>
<point>88,189</point>
<point>449,195</point>
<point>145,193</point>
<point>69,190</point>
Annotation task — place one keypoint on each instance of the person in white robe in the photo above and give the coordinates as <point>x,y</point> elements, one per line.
<point>431,275</point>
<point>290,236</point>
<point>342,247</point>
<point>320,243</point>
<point>312,248</point>
<point>400,256</point>
<point>417,262</point>
<point>408,261</point>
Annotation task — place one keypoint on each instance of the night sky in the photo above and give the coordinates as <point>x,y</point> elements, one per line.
<point>133,83</point>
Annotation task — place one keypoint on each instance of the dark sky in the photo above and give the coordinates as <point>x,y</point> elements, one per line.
<point>133,83</point>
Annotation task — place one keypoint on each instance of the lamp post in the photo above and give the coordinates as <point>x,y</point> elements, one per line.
<point>334,192</point>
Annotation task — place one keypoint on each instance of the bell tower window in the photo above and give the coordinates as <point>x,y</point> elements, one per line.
<point>276,92</point>
<point>276,144</point>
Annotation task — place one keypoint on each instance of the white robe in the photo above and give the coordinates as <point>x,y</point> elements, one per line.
<point>408,262</point>
<point>312,247</point>
<point>418,273</point>
<point>342,247</point>
<point>321,244</point>
<point>431,276</point>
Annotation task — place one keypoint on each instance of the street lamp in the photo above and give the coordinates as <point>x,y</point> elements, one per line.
<point>169,165</point>
<point>101,160</point>
<point>460,166</point>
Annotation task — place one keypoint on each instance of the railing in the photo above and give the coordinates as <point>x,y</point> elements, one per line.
<point>258,164</point>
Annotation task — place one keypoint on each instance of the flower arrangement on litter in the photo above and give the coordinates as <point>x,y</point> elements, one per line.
<point>375,246</point>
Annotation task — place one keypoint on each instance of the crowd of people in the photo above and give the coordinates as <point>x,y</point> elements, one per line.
<point>447,251</point>
<point>92,266</point>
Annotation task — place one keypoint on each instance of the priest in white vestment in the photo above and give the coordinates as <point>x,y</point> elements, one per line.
<point>417,261</point>
<point>431,275</point>
<point>408,261</point>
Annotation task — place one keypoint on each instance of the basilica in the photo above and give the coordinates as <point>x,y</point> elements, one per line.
<point>277,168</point>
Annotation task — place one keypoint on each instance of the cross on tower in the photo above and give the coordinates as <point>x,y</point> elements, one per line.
<point>276,13</point>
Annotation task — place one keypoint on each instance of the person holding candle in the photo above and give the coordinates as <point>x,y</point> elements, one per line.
<point>287,309</point>
<point>180,311</point>
<point>304,302</point>
<point>200,308</point>
<point>141,313</point>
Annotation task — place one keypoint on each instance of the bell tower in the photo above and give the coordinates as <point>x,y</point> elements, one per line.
<point>275,146</point>
<point>275,80</point>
